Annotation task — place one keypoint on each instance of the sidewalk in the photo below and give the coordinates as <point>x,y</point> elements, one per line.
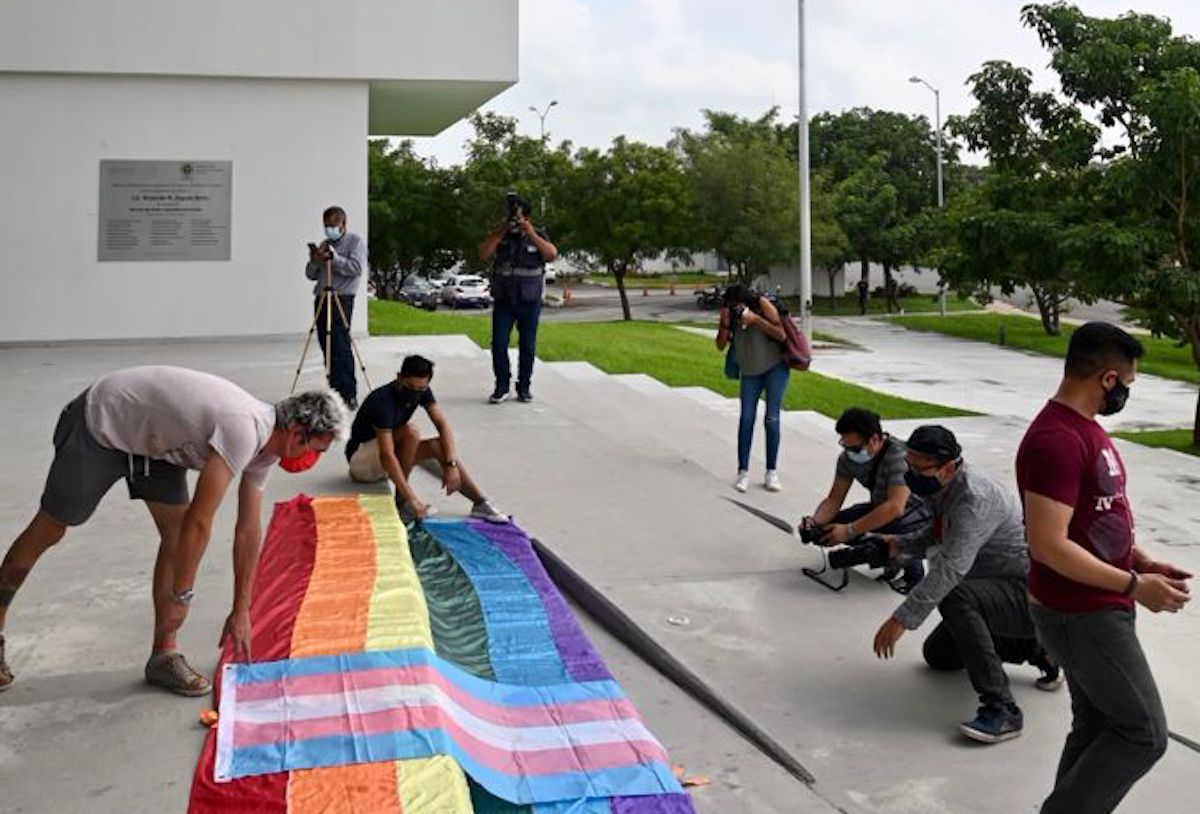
<point>980,377</point>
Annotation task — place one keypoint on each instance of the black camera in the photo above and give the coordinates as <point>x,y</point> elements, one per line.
<point>735,314</point>
<point>871,551</point>
<point>512,202</point>
<point>811,533</point>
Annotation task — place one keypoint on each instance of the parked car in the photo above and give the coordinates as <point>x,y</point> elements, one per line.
<point>466,291</point>
<point>551,273</point>
<point>419,292</point>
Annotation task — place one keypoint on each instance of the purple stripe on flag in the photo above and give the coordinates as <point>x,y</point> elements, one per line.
<point>579,656</point>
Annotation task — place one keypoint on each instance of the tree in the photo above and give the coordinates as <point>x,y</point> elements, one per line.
<point>1136,75</point>
<point>412,214</point>
<point>630,203</point>
<point>883,166</point>
<point>1031,221</point>
<point>745,191</point>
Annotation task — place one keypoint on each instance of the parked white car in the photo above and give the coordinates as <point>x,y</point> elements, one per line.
<point>466,291</point>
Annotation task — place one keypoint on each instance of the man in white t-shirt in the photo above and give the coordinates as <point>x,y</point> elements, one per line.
<point>148,426</point>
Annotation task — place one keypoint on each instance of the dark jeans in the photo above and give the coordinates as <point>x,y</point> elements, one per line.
<point>774,382</point>
<point>341,365</point>
<point>914,518</point>
<point>977,615</point>
<point>1118,729</point>
<point>525,317</point>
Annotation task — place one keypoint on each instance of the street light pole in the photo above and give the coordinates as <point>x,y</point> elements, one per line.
<point>805,213</point>
<point>937,123</point>
<point>541,114</point>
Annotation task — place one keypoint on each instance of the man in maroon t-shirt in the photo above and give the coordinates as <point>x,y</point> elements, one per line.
<point>1086,574</point>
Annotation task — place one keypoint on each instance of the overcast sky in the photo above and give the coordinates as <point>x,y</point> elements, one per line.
<point>643,67</point>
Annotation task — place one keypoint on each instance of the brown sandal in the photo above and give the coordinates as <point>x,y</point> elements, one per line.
<point>6,676</point>
<point>172,672</point>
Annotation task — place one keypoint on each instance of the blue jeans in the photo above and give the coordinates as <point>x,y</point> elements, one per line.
<point>525,317</point>
<point>775,382</point>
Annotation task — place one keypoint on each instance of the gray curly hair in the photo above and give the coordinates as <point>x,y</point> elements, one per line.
<point>319,412</point>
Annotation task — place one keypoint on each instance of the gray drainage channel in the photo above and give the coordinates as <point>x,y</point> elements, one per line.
<point>616,622</point>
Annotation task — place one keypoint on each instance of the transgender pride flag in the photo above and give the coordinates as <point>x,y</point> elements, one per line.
<point>425,673</point>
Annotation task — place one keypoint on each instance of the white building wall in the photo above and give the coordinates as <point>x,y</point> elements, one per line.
<point>296,147</point>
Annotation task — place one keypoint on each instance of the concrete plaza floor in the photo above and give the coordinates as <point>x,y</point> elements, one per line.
<point>623,478</point>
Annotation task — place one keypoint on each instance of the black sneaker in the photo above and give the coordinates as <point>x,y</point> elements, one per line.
<point>498,396</point>
<point>524,396</point>
<point>994,724</point>
<point>1051,679</point>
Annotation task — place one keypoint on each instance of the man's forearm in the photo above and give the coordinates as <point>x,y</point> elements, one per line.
<point>1078,564</point>
<point>826,511</point>
<point>246,546</point>
<point>391,465</point>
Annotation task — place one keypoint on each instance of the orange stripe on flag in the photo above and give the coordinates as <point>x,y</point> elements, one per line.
<point>334,619</point>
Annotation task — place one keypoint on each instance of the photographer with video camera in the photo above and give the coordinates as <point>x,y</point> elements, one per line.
<point>870,457</point>
<point>978,562</point>
<point>520,253</point>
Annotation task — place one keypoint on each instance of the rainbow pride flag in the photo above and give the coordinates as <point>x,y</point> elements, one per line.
<point>421,655</point>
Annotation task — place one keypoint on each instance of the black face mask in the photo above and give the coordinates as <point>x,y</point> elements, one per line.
<point>1114,399</point>
<point>922,485</point>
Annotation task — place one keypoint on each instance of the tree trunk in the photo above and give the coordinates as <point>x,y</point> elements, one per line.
<point>866,272</point>
<point>889,288</point>
<point>1194,335</point>
<point>833,298</point>
<point>618,272</point>
<point>1049,307</point>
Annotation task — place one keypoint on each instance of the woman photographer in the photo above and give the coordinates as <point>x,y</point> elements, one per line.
<point>754,326</point>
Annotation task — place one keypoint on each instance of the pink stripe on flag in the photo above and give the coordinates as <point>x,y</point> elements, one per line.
<point>586,757</point>
<point>295,688</point>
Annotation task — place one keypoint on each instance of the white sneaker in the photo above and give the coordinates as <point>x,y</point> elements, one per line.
<point>485,510</point>
<point>743,481</point>
<point>771,483</point>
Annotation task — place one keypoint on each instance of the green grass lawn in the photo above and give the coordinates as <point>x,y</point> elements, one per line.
<point>1178,440</point>
<point>683,279</point>
<point>913,304</point>
<point>1163,357</point>
<point>674,357</point>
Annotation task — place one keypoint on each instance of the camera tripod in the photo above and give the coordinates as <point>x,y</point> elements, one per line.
<point>329,300</point>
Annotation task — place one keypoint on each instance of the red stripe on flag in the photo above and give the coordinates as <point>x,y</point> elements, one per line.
<point>284,568</point>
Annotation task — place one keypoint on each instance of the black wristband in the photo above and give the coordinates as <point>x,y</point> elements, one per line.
<point>1132,586</point>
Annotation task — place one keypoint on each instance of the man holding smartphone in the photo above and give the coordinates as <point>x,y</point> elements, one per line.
<point>338,262</point>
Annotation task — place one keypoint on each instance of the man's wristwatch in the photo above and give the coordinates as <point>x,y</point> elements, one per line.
<point>182,597</point>
<point>451,463</point>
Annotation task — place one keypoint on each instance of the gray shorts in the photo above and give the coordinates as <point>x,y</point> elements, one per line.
<point>83,471</point>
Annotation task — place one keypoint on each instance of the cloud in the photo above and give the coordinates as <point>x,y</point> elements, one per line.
<point>642,68</point>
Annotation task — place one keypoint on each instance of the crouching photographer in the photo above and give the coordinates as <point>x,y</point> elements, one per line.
<point>978,561</point>
<point>870,457</point>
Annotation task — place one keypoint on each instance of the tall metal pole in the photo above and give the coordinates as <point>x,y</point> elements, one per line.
<point>541,114</point>
<point>937,123</point>
<point>805,212</point>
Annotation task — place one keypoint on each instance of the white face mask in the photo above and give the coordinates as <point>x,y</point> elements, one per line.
<point>859,456</point>
<point>333,232</point>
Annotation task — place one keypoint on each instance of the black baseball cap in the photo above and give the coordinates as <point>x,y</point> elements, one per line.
<point>935,441</point>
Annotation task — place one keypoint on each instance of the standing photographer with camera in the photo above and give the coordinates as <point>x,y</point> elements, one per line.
<point>754,326</point>
<point>978,562</point>
<point>338,261</point>
<point>520,254</point>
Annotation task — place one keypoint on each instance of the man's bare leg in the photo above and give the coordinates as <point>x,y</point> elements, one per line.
<point>41,533</point>
<point>167,667</point>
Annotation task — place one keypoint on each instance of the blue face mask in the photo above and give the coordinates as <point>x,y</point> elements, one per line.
<point>333,232</point>
<point>859,456</point>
